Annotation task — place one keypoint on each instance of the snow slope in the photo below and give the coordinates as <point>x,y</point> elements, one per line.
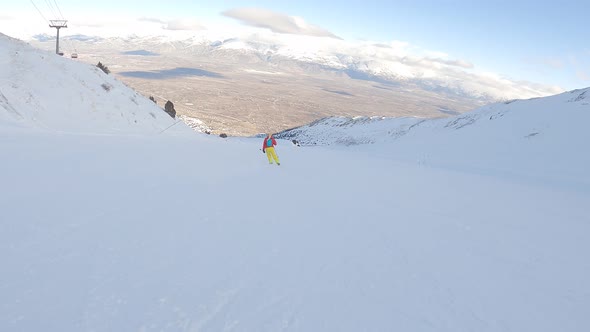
<point>40,89</point>
<point>544,138</point>
<point>191,232</point>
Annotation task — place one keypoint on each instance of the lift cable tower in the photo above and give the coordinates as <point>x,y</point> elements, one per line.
<point>58,24</point>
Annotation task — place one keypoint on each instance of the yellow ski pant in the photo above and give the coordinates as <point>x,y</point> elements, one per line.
<point>271,154</point>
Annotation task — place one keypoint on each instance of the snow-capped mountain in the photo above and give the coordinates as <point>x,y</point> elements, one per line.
<point>42,90</point>
<point>381,63</point>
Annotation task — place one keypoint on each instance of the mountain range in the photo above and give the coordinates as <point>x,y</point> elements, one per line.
<point>376,62</point>
<point>259,83</point>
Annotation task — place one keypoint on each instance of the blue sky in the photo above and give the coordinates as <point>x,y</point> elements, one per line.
<point>537,41</point>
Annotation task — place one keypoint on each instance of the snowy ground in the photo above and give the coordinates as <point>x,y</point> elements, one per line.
<point>196,233</point>
<point>111,222</point>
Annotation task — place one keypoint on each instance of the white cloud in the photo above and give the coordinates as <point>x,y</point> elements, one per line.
<point>277,22</point>
<point>455,63</point>
<point>183,24</point>
<point>176,24</point>
<point>151,19</point>
<point>452,74</point>
<point>497,86</point>
<point>88,24</point>
<point>436,54</point>
<point>409,54</point>
<point>381,45</point>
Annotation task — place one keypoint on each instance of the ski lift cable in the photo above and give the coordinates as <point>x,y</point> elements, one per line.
<point>170,126</point>
<point>40,13</point>
<point>51,12</point>
<point>51,9</point>
<point>67,41</point>
<point>59,10</point>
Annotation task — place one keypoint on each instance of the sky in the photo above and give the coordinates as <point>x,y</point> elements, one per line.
<point>522,40</point>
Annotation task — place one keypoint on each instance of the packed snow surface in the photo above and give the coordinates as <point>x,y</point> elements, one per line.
<point>475,223</point>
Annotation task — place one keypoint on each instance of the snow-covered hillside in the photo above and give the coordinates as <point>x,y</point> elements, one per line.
<point>544,137</point>
<point>532,116</point>
<point>187,232</point>
<point>43,90</point>
<point>350,131</point>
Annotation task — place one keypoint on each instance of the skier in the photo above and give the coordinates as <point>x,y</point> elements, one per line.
<point>268,146</point>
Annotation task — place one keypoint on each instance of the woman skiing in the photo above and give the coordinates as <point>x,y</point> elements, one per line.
<point>268,147</point>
